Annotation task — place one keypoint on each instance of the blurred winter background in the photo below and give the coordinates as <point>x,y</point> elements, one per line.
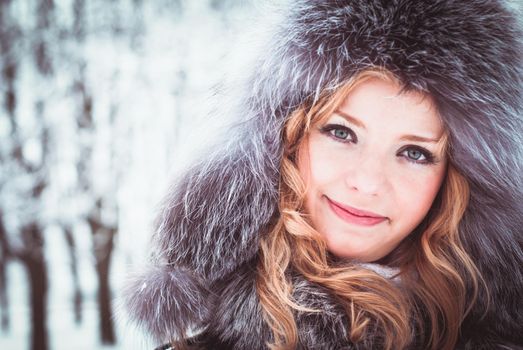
<point>101,102</point>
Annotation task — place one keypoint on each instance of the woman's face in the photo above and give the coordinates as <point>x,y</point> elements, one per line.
<point>372,169</point>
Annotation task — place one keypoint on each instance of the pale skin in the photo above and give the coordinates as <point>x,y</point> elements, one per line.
<point>378,153</point>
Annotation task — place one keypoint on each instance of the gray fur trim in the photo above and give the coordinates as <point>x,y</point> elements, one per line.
<point>219,209</point>
<point>241,324</point>
<point>168,302</point>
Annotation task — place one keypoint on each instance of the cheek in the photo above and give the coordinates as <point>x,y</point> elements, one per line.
<point>318,168</point>
<point>415,194</point>
<point>325,164</point>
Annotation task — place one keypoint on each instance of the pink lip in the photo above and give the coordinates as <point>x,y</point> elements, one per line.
<point>355,216</point>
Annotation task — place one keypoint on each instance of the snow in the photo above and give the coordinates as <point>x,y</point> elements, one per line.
<point>151,71</point>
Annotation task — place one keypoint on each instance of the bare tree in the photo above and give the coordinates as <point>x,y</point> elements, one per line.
<point>4,258</point>
<point>103,232</point>
<point>26,243</point>
<point>33,258</point>
<point>73,257</point>
<point>103,245</point>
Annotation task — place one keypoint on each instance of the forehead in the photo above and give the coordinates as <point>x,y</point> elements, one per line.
<point>377,102</point>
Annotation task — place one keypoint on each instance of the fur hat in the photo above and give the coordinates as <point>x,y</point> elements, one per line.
<point>466,54</point>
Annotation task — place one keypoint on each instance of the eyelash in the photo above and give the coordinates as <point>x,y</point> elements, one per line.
<point>329,128</point>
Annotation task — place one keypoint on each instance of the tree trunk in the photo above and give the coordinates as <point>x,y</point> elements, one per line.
<point>103,249</point>
<point>4,257</point>
<point>4,301</point>
<point>104,292</point>
<point>33,259</point>
<point>78,298</point>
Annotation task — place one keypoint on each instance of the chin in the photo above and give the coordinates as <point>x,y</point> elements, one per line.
<point>352,253</point>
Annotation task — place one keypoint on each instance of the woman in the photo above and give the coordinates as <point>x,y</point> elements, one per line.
<point>371,197</point>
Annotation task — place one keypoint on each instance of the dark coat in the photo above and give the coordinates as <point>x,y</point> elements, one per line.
<point>466,54</point>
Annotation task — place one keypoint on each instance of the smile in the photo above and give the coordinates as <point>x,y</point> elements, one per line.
<point>355,216</point>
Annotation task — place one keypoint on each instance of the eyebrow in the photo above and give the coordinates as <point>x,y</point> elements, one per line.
<point>403,138</point>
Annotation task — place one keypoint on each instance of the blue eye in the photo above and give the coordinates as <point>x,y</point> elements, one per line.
<point>414,154</point>
<point>339,133</point>
<point>417,155</point>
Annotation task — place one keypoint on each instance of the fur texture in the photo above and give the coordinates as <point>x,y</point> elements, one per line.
<point>467,54</point>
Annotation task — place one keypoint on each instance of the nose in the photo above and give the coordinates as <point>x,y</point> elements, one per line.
<point>367,175</point>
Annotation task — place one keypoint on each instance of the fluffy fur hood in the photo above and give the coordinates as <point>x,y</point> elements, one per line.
<point>467,54</point>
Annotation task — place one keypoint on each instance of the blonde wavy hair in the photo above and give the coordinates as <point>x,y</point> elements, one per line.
<point>439,281</point>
